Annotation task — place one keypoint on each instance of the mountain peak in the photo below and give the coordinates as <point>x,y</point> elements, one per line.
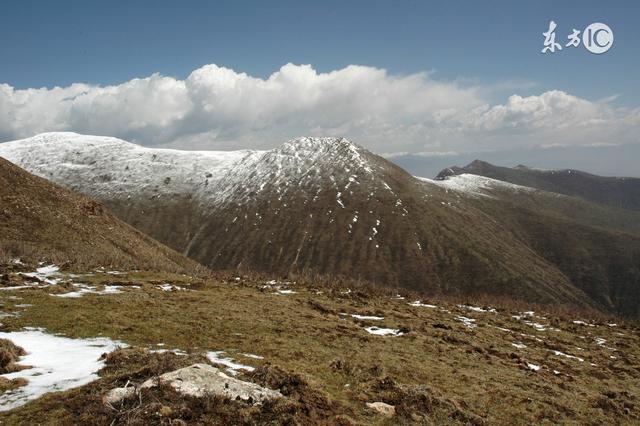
<point>478,165</point>
<point>310,144</point>
<point>338,152</point>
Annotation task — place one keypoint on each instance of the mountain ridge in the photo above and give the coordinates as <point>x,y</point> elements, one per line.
<point>324,206</point>
<point>619,192</point>
<point>596,246</point>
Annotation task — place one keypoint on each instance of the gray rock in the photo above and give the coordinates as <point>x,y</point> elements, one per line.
<point>382,408</point>
<point>116,395</point>
<point>199,380</point>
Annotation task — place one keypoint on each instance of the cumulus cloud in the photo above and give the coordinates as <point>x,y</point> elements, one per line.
<point>219,108</point>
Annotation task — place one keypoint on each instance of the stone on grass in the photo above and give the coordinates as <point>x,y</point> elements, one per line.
<point>116,395</point>
<point>199,380</point>
<point>382,408</point>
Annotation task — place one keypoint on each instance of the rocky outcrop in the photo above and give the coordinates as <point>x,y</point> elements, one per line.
<point>199,380</point>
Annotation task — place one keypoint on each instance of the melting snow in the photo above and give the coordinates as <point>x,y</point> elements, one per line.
<point>384,331</point>
<point>558,353</point>
<point>86,289</point>
<point>469,322</point>
<point>367,317</point>
<point>418,303</point>
<point>477,309</point>
<point>58,363</point>
<point>170,287</point>
<point>232,366</point>
<point>533,367</point>
<point>45,274</point>
<point>536,325</point>
<point>475,185</point>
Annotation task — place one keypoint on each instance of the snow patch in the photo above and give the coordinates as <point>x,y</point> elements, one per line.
<point>232,366</point>
<point>58,363</point>
<point>468,322</point>
<point>367,317</point>
<point>475,185</point>
<point>477,309</point>
<point>419,304</point>
<point>380,331</point>
<point>45,274</point>
<point>558,353</point>
<point>87,289</point>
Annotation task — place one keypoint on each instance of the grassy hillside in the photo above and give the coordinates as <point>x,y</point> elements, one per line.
<point>485,362</point>
<point>327,206</point>
<point>595,246</point>
<point>41,221</point>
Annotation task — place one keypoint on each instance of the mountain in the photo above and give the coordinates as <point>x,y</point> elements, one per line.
<point>619,192</point>
<point>327,206</point>
<point>597,247</point>
<point>311,206</point>
<point>40,220</point>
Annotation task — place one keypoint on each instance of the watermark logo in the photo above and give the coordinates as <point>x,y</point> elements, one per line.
<point>596,38</point>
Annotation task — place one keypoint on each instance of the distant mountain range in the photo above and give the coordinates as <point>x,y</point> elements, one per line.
<point>617,192</point>
<point>328,206</point>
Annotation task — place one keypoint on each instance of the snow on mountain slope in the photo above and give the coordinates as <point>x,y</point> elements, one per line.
<point>618,192</point>
<point>106,167</point>
<point>475,185</point>
<point>110,167</point>
<point>311,205</point>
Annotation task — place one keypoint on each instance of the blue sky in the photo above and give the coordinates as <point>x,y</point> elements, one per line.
<point>411,80</point>
<point>45,43</point>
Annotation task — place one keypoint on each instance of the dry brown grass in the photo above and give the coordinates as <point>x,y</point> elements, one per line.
<point>438,372</point>
<point>161,405</point>
<point>9,355</point>
<point>41,221</point>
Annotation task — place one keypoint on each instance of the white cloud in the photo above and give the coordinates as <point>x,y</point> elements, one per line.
<point>219,108</point>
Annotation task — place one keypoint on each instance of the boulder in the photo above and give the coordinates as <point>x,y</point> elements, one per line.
<point>199,380</point>
<point>382,408</point>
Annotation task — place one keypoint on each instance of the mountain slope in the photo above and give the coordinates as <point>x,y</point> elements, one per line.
<point>619,192</point>
<point>596,246</point>
<point>311,206</point>
<point>42,221</point>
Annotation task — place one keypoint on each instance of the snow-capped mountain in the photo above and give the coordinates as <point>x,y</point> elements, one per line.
<point>619,192</point>
<point>106,167</point>
<point>475,185</point>
<point>322,206</point>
